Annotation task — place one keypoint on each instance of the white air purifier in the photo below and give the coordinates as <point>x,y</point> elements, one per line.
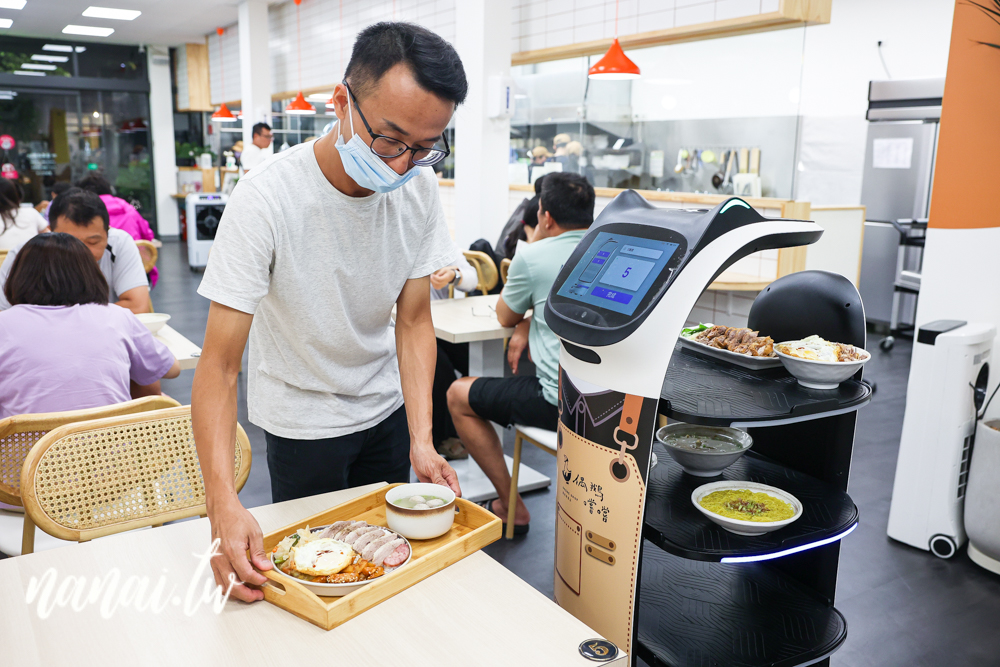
<point>204,211</point>
<point>947,386</point>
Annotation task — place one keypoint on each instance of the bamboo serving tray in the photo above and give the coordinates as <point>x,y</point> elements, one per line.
<point>473,529</point>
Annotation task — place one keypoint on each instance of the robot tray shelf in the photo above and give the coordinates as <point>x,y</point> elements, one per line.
<point>696,614</point>
<point>701,390</point>
<point>674,525</point>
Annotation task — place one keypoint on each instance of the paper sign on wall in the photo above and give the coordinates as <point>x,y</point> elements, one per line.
<point>892,153</point>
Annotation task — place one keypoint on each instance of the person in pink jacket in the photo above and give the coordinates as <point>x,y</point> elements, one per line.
<point>123,215</point>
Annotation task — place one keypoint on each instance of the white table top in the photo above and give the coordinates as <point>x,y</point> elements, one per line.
<point>476,612</point>
<point>469,319</point>
<point>184,351</point>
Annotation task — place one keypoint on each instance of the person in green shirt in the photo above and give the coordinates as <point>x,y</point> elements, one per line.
<point>565,211</point>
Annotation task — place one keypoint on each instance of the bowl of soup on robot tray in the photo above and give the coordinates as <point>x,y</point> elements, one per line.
<point>746,508</point>
<point>704,451</point>
<point>420,511</point>
<point>821,364</point>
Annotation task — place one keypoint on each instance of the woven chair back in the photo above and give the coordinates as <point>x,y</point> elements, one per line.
<point>504,268</point>
<point>97,478</point>
<point>18,434</point>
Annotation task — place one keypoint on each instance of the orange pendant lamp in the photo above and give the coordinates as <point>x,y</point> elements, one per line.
<point>615,65</point>
<point>299,106</point>
<point>222,114</point>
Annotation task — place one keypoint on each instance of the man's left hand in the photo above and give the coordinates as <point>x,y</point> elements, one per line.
<point>431,467</point>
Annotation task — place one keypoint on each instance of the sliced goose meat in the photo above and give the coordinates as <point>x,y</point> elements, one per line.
<point>386,549</point>
<point>333,528</point>
<point>368,553</point>
<point>347,530</point>
<point>358,531</point>
<point>368,538</point>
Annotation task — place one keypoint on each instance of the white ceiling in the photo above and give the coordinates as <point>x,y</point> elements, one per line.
<point>163,22</point>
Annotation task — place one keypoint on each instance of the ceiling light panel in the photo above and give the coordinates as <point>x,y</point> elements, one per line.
<point>24,72</point>
<point>61,48</point>
<point>47,68</point>
<point>6,23</point>
<point>49,59</point>
<point>12,4</point>
<point>88,30</point>
<point>110,13</point>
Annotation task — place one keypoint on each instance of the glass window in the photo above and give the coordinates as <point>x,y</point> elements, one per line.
<point>673,128</point>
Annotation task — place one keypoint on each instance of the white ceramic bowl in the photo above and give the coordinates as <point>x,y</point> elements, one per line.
<point>154,321</point>
<point>338,590</point>
<point>820,374</point>
<point>739,526</point>
<point>704,463</point>
<point>420,524</point>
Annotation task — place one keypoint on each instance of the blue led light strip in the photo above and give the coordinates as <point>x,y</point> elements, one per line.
<point>788,552</point>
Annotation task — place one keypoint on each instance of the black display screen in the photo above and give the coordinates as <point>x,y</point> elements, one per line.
<point>617,271</point>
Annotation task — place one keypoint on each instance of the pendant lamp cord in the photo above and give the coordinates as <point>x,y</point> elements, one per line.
<point>616,19</point>
<point>222,66</point>
<point>298,39</point>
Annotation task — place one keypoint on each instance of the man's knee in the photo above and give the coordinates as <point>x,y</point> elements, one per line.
<point>458,395</point>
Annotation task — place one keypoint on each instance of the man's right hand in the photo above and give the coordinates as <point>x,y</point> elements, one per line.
<point>517,344</point>
<point>238,532</point>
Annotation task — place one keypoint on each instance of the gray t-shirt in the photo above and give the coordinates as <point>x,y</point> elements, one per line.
<point>123,273</point>
<point>320,272</point>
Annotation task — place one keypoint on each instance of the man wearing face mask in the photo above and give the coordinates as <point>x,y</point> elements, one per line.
<point>291,269</point>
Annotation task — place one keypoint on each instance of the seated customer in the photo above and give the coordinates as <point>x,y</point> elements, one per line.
<point>565,212</point>
<point>62,347</point>
<point>83,215</point>
<point>121,214</point>
<point>17,223</point>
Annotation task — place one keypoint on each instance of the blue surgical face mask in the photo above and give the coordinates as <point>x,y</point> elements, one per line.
<point>364,167</point>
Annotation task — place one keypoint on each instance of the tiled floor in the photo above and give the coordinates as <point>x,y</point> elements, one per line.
<point>903,606</point>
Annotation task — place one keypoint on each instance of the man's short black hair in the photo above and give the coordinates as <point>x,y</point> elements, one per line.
<point>79,207</point>
<point>259,128</point>
<point>96,184</point>
<point>569,199</point>
<point>434,62</point>
<point>61,187</point>
<point>538,186</point>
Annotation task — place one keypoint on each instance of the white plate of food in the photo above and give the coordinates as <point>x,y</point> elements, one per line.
<point>746,508</point>
<point>820,364</point>
<point>334,560</point>
<point>754,351</point>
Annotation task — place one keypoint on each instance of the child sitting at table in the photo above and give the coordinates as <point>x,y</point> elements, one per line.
<point>61,346</point>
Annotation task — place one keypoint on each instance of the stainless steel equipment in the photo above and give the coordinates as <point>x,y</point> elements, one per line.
<point>899,170</point>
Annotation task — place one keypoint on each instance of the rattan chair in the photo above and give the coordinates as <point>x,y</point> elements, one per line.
<point>149,254</point>
<point>90,479</point>
<point>504,268</point>
<point>18,434</point>
<point>486,269</point>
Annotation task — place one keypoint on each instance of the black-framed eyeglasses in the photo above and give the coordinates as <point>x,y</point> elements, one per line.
<point>387,147</point>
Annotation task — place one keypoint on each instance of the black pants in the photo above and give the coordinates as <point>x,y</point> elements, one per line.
<point>301,468</point>
<point>451,357</point>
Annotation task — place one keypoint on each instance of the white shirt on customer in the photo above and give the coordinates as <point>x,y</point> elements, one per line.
<point>320,272</point>
<point>27,223</point>
<point>253,155</point>
<point>121,265</point>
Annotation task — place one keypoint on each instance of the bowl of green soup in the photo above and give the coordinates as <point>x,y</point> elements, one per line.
<point>420,511</point>
<point>704,451</point>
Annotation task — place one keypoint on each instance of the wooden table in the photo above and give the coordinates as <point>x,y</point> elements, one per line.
<point>473,320</point>
<point>474,613</point>
<point>186,352</point>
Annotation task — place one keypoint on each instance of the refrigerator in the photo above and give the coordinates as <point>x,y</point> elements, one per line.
<point>901,146</point>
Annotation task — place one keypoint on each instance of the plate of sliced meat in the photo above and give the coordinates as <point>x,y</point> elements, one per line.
<point>334,560</point>
<point>740,346</point>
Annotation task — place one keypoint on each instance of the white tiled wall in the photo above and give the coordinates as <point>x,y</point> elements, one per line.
<point>541,24</point>
<point>328,29</point>
<point>231,59</point>
<point>181,72</point>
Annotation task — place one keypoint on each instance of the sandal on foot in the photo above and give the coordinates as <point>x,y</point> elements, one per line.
<point>519,529</point>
